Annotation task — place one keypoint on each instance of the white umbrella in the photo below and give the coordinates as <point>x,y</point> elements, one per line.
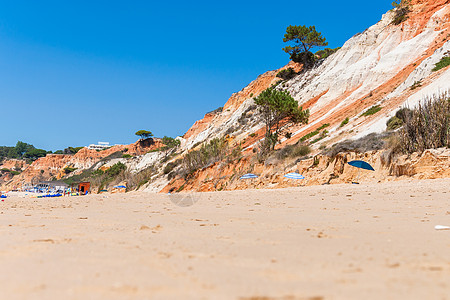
<point>294,176</point>
<point>248,176</point>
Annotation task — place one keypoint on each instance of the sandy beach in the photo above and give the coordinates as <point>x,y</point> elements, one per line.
<point>322,242</point>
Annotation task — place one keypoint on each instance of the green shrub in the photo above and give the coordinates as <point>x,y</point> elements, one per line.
<point>371,111</point>
<point>416,85</point>
<point>401,11</point>
<point>126,156</point>
<point>317,139</point>
<point>170,166</point>
<point>394,123</point>
<point>15,173</point>
<point>292,151</point>
<point>309,135</point>
<point>286,74</point>
<point>444,62</point>
<point>181,188</point>
<point>326,52</point>
<point>313,133</point>
<point>252,134</point>
<point>216,111</point>
<point>98,172</point>
<point>208,153</point>
<point>68,169</point>
<point>345,122</point>
<point>6,170</point>
<point>323,126</point>
<point>403,114</point>
<point>116,169</point>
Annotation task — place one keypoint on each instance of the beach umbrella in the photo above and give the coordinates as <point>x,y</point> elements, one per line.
<point>248,176</point>
<point>294,176</point>
<point>119,187</point>
<point>360,164</point>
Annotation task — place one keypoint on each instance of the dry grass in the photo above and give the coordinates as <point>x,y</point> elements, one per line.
<point>428,126</point>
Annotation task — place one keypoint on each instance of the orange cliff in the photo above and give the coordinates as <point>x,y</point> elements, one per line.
<point>52,165</point>
<point>380,66</point>
<point>215,119</point>
<point>318,170</point>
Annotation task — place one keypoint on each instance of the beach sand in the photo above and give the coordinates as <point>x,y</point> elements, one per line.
<point>322,242</point>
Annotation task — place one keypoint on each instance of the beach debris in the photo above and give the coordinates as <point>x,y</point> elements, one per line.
<point>441,227</point>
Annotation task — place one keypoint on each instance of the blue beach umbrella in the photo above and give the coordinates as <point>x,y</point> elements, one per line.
<point>248,176</point>
<point>294,176</point>
<point>360,165</point>
<point>119,187</point>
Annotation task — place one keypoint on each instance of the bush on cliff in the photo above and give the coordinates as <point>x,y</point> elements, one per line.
<point>427,126</point>
<point>278,109</point>
<point>325,53</point>
<point>373,141</point>
<point>303,38</point>
<point>209,153</point>
<point>287,74</point>
<point>444,62</point>
<point>401,11</point>
<point>293,151</point>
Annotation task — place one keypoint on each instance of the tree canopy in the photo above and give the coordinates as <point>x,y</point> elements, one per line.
<point>144,134</point>
<point>170,142</point>
<point>22,150</point>
<point>303,38</point>
<point>278,109</point>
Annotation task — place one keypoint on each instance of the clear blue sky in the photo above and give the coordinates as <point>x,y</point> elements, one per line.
<point>77,72</point>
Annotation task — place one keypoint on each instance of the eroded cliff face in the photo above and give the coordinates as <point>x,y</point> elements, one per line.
<point>53,165</point>
<point>43,168</point>
<point>377,67</point>
<point>386,65</point>
<point>318,170</point>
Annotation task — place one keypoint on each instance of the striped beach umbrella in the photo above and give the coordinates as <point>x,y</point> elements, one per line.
<point>294,176</point>
<point>248,176</point>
